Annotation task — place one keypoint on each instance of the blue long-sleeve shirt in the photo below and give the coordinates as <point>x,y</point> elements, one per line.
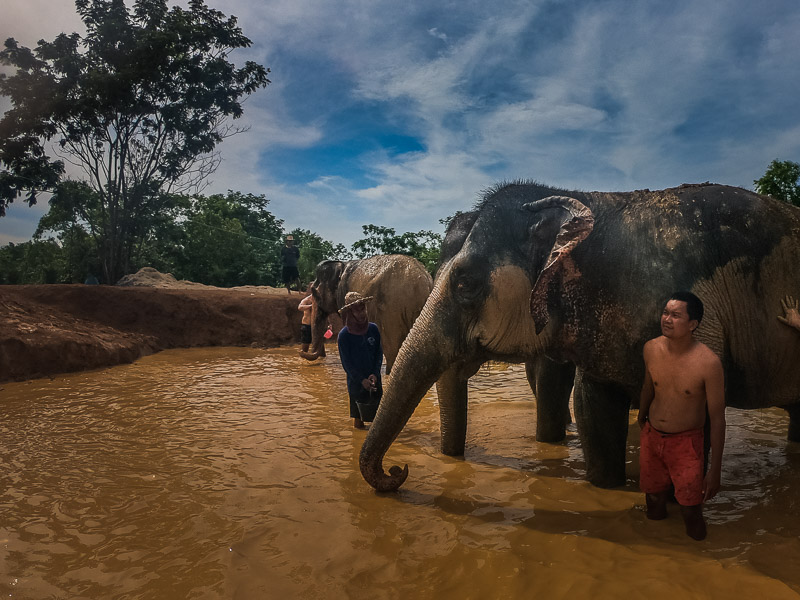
<point>361,356</point>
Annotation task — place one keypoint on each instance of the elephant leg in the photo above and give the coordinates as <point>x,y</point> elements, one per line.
<point>452,392</point>
<point>794,422</point>
<point>551,383</point>
<point>601,412</point>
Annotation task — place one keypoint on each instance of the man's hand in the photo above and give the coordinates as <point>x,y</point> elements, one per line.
<point>370,383</point>
<point>791,312</point>
<point>711,483</point>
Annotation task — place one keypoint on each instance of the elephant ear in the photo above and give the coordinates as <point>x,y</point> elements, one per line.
<point>575,221</point>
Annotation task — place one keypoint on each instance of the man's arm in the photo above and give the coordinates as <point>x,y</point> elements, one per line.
<point>648,391</point>
<point>306,303</point>
<point>715,399</point>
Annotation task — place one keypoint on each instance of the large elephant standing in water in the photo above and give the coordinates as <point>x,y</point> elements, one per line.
<point>400,285</point>
<point>582,278</point>
<point>551,382</point>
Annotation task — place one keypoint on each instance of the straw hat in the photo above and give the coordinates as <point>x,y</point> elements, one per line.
<point>353,298</point>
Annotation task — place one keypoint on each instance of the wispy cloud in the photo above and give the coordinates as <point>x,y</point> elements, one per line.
<point>400,114</point>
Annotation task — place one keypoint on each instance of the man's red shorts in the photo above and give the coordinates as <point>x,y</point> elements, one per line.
<point>675,458</point>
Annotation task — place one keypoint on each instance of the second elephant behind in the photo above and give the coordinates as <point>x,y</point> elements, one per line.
<point>400,285</point>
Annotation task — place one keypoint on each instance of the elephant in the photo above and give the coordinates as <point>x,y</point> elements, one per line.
<point>399,283</point>
<point>550,382</point>
<point>582,278</point>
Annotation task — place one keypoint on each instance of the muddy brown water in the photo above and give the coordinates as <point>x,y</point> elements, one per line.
<point>232,473</point>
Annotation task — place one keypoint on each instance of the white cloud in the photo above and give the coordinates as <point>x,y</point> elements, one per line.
<point>434,31</point>
<point>608,95</point>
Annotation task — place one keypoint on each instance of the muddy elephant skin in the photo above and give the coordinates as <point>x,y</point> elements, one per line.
<point>400,285</point>
<point>582,278</point>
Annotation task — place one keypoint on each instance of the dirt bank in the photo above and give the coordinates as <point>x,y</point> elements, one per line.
<point>50,329</point>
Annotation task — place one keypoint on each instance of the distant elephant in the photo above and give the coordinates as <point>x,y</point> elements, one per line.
<point>583,277</point>
<point>550,382</point>
<point>400,285</point>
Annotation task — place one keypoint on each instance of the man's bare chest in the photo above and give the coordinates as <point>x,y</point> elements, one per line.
<point>678,379</point>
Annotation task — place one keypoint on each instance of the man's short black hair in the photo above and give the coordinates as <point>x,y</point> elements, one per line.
<point>694,306</point>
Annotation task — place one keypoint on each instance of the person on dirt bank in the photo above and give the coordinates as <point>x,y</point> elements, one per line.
<point>290,254</point>
<point>683,380</point>
<point>361,354</point>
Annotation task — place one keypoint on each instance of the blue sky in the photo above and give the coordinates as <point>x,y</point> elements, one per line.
<point>400,113</point>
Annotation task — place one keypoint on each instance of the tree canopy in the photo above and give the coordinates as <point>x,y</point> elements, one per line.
<point>780,181</point>
<point>226,240</point>
<point>422,245</point>
<point>137,106</point>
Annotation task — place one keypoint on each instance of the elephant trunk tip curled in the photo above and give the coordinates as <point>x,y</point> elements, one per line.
<point>379,480</point>
<point>309,355</point>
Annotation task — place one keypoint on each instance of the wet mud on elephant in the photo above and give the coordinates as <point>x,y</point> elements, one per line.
<point>582,278</point>
<point>400,285</point>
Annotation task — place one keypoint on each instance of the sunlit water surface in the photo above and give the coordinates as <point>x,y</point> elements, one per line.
<point>232,473</point>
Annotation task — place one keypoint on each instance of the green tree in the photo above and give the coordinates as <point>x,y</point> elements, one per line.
<point>36,261</point>
<point>227,240</point>
<point>138,105</point>
<point>780,181</point>
<point>422,245</point>
<point>74,207</point>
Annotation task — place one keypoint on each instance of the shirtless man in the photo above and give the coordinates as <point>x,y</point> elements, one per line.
<point>683,380</point>
<point>306,305</point>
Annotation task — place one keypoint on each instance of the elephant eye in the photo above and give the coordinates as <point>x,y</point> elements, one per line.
<point>466,286</point>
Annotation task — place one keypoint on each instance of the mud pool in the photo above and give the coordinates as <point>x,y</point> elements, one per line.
<point>232,473</point>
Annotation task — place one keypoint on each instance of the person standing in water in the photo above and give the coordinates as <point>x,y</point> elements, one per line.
<point>306,306</point>
<point>683,380</point>
<point>361,354</point>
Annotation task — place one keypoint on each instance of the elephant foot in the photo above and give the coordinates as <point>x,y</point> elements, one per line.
<point>551,437</point>
<point>453,450</point>
<point>607,481</point>
<point>794,422</point>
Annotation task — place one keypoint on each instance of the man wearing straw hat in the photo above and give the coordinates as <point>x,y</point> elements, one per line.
<point>361,355</point>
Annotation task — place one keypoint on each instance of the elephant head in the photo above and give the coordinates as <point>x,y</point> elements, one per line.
<point>479,308</point>
<point>324,292</point>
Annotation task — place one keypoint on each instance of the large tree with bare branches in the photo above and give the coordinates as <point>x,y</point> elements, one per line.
<point>138,105</point>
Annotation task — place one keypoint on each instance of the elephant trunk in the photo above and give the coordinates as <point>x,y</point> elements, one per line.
<point>419,364</point>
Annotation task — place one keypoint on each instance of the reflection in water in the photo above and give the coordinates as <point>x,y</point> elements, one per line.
<point>213,473</point>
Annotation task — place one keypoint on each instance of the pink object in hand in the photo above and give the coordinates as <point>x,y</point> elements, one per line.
<point>328,334</point>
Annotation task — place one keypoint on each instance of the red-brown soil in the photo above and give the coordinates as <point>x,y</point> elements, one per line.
<point>50,329</point>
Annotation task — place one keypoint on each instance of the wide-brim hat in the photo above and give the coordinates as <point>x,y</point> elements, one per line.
<point>353,298</point>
